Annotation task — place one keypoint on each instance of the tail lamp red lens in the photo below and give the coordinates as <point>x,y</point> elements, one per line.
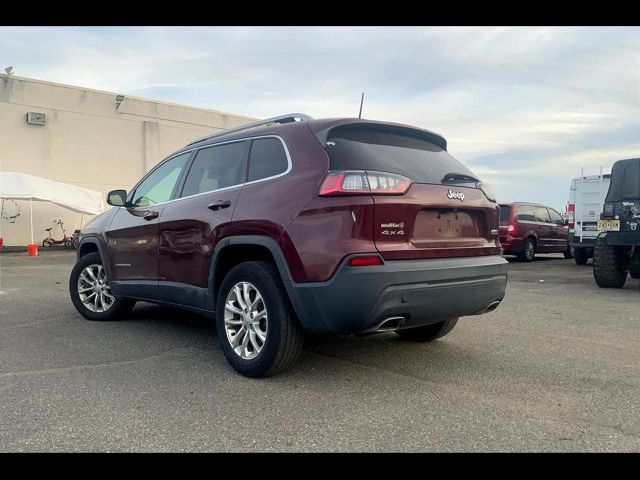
<point>511,229</point>
<point>571,210</point>
<point>366,261</point>
<point>360,182</point>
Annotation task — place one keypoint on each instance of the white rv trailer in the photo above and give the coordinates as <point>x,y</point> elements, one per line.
<point>586,198</point>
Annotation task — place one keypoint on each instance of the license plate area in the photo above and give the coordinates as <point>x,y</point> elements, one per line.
<point>608,225</point>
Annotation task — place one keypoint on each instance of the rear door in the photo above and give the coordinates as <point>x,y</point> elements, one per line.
<point>442,214</point>
<point>193,224</point>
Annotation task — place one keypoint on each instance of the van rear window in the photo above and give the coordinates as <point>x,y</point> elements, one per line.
<point>505,210</point>
<point>366,148</point>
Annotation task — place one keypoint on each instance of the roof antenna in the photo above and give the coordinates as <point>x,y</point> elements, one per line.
<point>361,101</point>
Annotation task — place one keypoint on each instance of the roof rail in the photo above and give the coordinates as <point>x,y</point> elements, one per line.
<point>288,118</point>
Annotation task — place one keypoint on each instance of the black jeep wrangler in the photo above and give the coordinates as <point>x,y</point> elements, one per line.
<point>617,248</point>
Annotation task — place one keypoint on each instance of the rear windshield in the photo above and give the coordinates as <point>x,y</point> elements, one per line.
<point>505,210</point>
<point>364,148</point>
<point>630,187</point>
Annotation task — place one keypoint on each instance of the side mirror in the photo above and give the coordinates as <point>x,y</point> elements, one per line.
<point>117,198</point>
<point>565,221</point>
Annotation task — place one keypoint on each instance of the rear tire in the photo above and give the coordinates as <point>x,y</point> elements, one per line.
<point>427,333</point>
<point>118,308</point>
<point>569,252</point>
<point>634,270</point>
<point>528,252</point>
<point>283,337</point>
<point>580,256</point>
<point>609,269</point>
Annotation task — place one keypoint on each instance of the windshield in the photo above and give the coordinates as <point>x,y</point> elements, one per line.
<point>625,180</point>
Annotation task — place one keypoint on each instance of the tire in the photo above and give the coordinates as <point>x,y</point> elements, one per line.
<point>427,333</point>
<point>528,252</point>
<point>609,269</point>
<point>634,270</point>
<point>580,256</point>
<point>283,337</point>
<point>117,308</point>
<point>569,252</point>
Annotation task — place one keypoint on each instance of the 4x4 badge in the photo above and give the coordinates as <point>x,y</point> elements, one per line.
<point>456,195</point>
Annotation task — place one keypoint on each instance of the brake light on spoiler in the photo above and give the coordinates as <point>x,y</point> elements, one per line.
<point>359,182</point>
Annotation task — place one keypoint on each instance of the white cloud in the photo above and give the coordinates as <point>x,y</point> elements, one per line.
<point>519,105</point>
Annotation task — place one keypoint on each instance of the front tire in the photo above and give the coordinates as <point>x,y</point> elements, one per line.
<point>90,292</point>
<point>427,333</point>
<point>580,256</point>
<point>528,252</point>
<point>256,326</point>
<point>609,269</point>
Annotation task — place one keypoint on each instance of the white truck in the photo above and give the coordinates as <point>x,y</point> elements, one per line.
<point>586,198</point>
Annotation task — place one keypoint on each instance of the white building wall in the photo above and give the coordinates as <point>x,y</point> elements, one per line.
<point>86,141</point>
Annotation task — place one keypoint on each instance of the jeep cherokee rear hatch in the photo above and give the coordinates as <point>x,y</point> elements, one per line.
<point>427,204</point>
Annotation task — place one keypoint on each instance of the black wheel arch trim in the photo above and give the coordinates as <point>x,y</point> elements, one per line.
<point>259,240</point>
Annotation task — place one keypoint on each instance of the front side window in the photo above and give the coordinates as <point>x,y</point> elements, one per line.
<point>158,186</point>
<point>216,167</point>
<point>267,159</point>
<point>542,215</point>
<point>555,217</point>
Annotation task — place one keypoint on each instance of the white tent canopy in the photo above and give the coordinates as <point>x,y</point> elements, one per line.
<point>21,186</point>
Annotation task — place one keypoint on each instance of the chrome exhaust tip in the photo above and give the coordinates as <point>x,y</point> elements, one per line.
<point>490,308</point>
<point>387,325</point>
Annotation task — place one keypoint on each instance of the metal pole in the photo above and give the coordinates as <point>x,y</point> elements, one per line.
<point>31,214</point>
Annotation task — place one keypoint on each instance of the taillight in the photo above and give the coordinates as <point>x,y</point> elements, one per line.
<point>358,182</point>
<point>365,261</point>
<point>571,210</point>
<point>608,210</point>
<point>512,228</point>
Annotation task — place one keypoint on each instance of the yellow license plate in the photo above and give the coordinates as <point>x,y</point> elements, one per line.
<point>609,225</point>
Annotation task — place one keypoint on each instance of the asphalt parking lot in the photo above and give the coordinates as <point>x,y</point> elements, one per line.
<point>555,368</point>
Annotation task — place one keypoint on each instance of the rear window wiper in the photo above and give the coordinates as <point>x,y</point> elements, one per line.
<point>458,177</point>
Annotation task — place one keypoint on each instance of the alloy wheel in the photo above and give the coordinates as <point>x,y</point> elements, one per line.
<point>93,289</point>
<point>245,320</point>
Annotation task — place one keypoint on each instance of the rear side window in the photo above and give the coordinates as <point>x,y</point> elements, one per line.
<point>505,210</point>
<point>267,159</point>
<point>525,213</point>
<point>362,148</point>
<point>542,215</point>
<point>216,167</point>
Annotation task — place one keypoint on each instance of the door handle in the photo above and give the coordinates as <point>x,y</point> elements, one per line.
<point>219,205</point>
<point>151,215</point>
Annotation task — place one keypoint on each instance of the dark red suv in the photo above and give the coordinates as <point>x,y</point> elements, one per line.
<point>295,224</point>
<point>527,228</point>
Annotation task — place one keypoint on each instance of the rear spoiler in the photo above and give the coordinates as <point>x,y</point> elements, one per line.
<point>426,135</point>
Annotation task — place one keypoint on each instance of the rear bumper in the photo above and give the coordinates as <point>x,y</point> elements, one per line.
<point>574,241</point>
<point>511,245</point>
<point>628,239</point>
<point>420,291</point>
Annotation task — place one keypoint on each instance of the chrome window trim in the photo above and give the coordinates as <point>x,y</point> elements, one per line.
<point>286,151</point>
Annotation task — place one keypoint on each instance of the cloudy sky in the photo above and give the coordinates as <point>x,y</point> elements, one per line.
<point>524,108</point>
